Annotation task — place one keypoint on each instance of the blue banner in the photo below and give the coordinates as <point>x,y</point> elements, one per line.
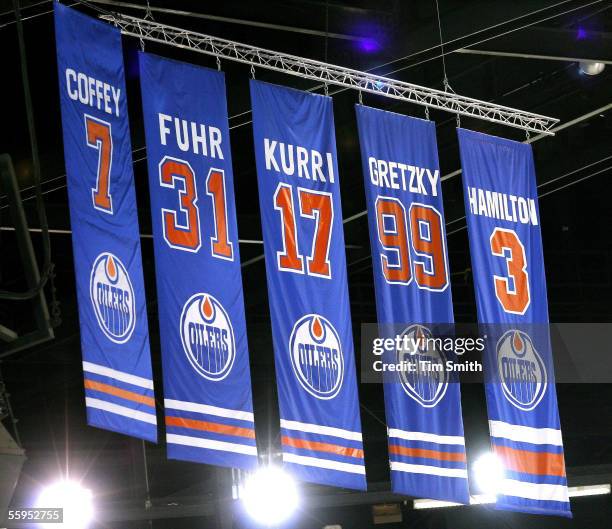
<point>205,357</point>
<point>299,197</point>
<point>411,279</point>
<point>105,237</point>
<point>503,220</point>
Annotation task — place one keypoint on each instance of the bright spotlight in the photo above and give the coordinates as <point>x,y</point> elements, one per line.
<point>488,472</point>
<point>270,495</point>
<point>73,498</point>
<point>591,67</point>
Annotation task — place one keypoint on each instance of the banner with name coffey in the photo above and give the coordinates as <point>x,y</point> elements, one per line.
<point>205,358</point>
<point>299,196</point>
<point>105,236</point>
<point>503,220</point>
<point>411,279</point>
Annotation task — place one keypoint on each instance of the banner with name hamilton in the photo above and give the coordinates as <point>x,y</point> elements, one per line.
<point>503,220</point>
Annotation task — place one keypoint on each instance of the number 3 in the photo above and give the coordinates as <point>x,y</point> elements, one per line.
<point>515,299</point>
<point>181,235</point>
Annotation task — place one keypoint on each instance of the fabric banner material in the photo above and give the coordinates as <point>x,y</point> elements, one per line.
<point>205,359</point>
<point>105,237</point>
<point>411,279</point>
<point>503,222</point>
<point>299,196</point>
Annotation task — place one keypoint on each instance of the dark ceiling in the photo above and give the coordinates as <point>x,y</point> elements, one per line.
<point>45,382</point>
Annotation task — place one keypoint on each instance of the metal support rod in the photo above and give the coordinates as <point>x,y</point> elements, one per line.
<point>329,73</point>
<point>9,409</point>
<point>148,503</point>
<point>23,61</point>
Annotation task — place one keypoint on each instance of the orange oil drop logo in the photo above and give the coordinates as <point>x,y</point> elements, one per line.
<point>517,341</point>
<point>207,308</point>
<point>317,329</point>
<point>111,268</point>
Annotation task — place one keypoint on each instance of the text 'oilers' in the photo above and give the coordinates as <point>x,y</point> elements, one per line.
<point>208,336</point>
<point>316,356</point>
<point>112,296</point>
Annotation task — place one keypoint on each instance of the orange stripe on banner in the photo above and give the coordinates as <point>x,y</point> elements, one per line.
<point>118,392</point>
<point>430,454</point>
<point>206,426</point>
<point>543,463</point>
<point>322,447</point>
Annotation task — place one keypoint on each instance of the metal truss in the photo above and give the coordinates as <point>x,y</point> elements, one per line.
<point>145,29</point>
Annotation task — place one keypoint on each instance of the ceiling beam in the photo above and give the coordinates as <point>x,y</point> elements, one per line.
<point>530,56</point>
<point>232,20</point>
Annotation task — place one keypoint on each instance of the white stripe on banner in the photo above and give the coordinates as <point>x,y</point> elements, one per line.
<point>427,437</point>
<point>208,410</point>
<point>534,491</point>
<point>117,375</point>
<point>525,434</point>
<point>211,444</point>
<point>323,463</point>
<point>322,430</point>
<point>120,410</point>
<point>427,469</point>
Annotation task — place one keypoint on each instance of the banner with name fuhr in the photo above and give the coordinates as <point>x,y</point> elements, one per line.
<point>105,236</point>
<point>205,357</point>
<point>299,198</point>
<point>503,220</point>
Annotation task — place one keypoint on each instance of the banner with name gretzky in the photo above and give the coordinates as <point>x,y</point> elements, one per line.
<point>299,196</point>
<point>411,279</point>
<point>105,237</point>
<point>205,359</point>
<point>503,220</point>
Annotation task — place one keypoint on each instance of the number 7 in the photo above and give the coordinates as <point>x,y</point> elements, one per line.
<point>99,137</point>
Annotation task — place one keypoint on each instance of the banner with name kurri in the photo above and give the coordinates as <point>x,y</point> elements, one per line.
<point>105,236</point>
<point>205,358</point>
<point>411,279</point>
<point>503,220</point>
<point>299,196</point>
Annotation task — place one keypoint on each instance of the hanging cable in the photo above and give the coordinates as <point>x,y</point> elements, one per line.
<point>445,78</point>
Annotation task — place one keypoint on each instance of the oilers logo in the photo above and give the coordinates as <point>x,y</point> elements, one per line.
<point>112,296</point>
<point>208,337</point>
<point>521,370</point>
<point>316,356</point>
<point>424,377</point>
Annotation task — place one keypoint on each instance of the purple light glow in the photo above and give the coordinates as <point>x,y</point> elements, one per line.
<point>372,36</point>
<point>368,45</point>
<point>581,34</point>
